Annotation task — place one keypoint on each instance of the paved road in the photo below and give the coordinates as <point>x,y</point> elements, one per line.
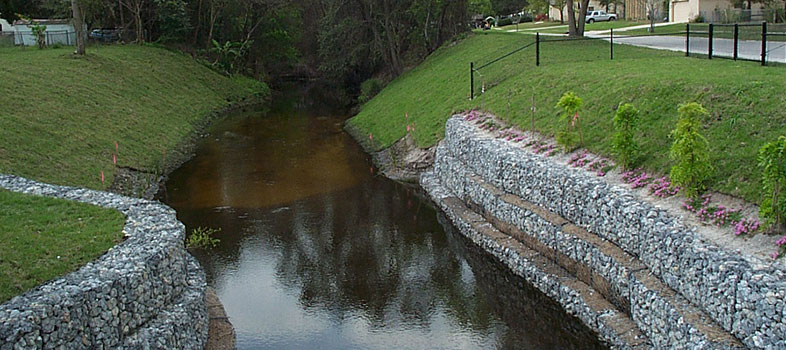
<point>747,49</point>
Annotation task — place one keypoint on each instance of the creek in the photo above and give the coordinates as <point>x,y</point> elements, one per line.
<point>318,251</point>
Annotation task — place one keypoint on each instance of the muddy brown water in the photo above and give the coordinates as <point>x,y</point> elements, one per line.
<point>319,252</point>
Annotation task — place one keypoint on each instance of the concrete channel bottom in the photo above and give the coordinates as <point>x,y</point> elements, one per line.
<point>630,309</point>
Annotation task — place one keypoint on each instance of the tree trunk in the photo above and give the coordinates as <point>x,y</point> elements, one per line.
<point>214,10</point>
<point>79,27</point>
<point>576,25</point>
<point>122,15</point>
<point>140,37</point>
<point>582,15</point>
<point>198,23</point>
<point>571,19</point>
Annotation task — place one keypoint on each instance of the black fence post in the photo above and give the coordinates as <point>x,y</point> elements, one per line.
<point>709,43</point>
<point>611,43</point>
<point>472,80</point>
<point>736,39</point>
<point>687,39</point>
<point>537,49</point>
<point>764,43</point>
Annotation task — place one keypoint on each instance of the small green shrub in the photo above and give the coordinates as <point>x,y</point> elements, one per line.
<point>39,31</point>
<point>690,151</point>
<point>567,137</point>
<point>623,143</point>
<point>202,238</point>
<point>369,89</point>
<point>772,161</point>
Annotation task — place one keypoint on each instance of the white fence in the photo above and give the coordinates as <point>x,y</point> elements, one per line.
<point>52,37</point>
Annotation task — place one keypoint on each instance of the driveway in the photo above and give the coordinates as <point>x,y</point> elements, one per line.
<point>747,49</point>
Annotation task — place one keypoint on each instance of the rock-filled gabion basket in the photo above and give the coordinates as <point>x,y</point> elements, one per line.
<point>146,292</point>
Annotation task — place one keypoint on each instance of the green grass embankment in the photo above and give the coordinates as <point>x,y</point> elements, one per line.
<point>59,121</point>
<point>744,99</point>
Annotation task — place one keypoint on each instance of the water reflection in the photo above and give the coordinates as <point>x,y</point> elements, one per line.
<point>317,253</point>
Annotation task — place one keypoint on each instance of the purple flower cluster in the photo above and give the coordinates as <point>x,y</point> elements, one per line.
<point>781,242</point>
<point>510,134</point>
<point>541,147</point>
<point>661,187</point>
<point>720,215</point>
<point>600,166</point>
<point>636,178</point>
<point>488,125</point>
<point>584,159</point>
<point>746,226</point>
<point>472,115</point>
<point>578,160</point>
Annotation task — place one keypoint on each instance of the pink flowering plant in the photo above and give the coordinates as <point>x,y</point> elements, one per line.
<point>636,178</point>
<point>781,243</point>
<point>543,148</point>
<point>720,215</point>
<point>600,166</point>
<point>578,160</point>
<point>662,187</point>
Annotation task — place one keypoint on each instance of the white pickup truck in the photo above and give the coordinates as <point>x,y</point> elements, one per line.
<point>599,16</point>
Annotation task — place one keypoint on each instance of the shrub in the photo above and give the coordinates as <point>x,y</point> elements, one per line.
<point>369,89</point>
<point>690,151</point>
<point>623,144</point>
<point>202,238</point>
<point>39,32</point>
<point>772,161</point>
<point>571,105</point>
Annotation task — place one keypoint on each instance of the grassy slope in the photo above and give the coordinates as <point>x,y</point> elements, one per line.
<point>743,98</point>
<point>60,119</point>
<point>62,116</point>
<point>44,237</point>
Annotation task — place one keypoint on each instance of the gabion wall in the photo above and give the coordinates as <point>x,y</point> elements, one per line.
<point>742,294</point>
<point>145,293</point>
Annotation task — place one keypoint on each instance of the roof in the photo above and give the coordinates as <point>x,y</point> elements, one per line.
<point>42,21</point>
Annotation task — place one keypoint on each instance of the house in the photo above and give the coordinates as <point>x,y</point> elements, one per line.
<point>58,31</point>
<point>554,12</point>
<point>721,11</point>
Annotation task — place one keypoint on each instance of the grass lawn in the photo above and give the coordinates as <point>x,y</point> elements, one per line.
<point>44,238</point>
<point>595,26</point>
<point>744,99</point>
<point>60,120</point>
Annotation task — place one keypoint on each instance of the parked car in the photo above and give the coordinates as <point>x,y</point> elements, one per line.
<point>599,16</point>
<point>105,34</point>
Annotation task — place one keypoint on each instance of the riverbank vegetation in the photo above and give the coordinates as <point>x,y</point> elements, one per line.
<point>742,99</point>
<point>76,121</point>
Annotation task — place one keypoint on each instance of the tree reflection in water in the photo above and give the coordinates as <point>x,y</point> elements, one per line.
<point>355,261</point>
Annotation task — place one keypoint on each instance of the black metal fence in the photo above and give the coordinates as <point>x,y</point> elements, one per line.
<point>761,42</point>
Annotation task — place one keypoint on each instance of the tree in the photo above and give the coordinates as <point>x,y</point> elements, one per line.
<point>479,7</point>
<point>136,7</point>
<point>690,151</point>
<point>652,13</point>
<point>506,7</point>
<point>576,28</point>
<point>79,27</point>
